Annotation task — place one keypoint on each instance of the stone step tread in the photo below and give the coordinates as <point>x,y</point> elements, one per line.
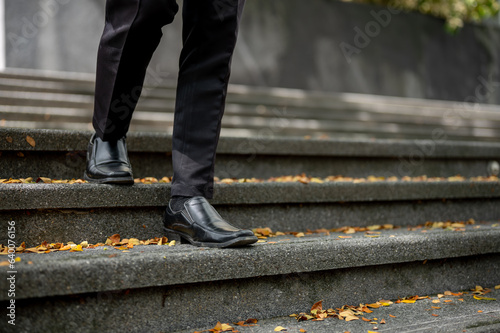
<point>285,94</point>
<point>47,196</point>
<point>14,139</point>
<point>252,106</point>
<point>94,270</point>
<point>469,315</point>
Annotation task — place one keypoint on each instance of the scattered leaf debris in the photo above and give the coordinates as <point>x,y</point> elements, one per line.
<point>303,178</point>
<point>114,240</point>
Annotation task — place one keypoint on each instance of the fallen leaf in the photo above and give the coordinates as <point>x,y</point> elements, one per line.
<point>300,234</point>
<point>279,329</point>
<point>115,239</point>
<point>497,287</point>
<point>482,298</point>
<point>374,305</point>
<point>9,139</point>
<point>318,306</point>
<point>436,301</point>
<point>77,248</point>
<point>365,319</point>
<point>411,301</point>
<point>480,311</point>
<point>392,316</point>
<point>434,315</point>
<point>30,140</point>
<point>226,327</point>
<point>302,330</point>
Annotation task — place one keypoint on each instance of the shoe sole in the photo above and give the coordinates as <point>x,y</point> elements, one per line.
<point>110,180</point>
<point>237,242</point>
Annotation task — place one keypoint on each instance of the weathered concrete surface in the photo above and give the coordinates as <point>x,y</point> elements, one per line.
<point>455,316</point>
<point>62,154</point>
<point>147,266</point>
<point>53,196</point>
<point>79,212</point>
<point>96,224</point>
<point>67,141</point>
<point>190,306</point>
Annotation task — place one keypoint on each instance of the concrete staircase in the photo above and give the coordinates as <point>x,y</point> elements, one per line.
<point>55,100</point>
<point>171,288</point>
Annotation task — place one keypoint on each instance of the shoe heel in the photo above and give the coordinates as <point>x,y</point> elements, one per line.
<point>172,236</point>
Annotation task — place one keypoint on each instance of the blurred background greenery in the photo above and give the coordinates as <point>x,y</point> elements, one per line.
<point>455,12</point>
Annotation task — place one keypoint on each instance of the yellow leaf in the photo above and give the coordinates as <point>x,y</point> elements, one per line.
<point>226,327</point>
<point>302,330</point>
<point>408,301</point>
<point>279,329</point>
<point>374,305</point>
<point>172,243</point>
<point>30,140</point>
<point>484,298</point>
<point>77,248</point>
<point>300,234</point>
<point>134,241</point>
<point>372,332</point>
<point>436,301</point>
<point>18,259</point>
<point>45,180</point>
<point>497,287</point>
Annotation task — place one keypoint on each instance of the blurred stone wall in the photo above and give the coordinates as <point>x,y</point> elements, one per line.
<point>315,44</point>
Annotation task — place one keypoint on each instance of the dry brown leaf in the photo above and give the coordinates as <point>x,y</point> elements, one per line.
<point>318,306</point>
<point>30,140</point>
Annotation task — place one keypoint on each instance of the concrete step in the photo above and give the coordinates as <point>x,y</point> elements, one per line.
<point>61,154</point>
<point>250,109</point>
<point>79,212</point>
<point>161,288</point>
<point>468,315</point>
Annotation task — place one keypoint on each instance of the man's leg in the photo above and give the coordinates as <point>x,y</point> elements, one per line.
<point>209,37</point>
<point>131,34</point>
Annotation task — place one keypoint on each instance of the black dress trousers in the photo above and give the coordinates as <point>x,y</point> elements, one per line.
<point>131,35</point>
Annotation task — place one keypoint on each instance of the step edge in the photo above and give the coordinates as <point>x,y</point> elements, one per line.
<point>335,255</point>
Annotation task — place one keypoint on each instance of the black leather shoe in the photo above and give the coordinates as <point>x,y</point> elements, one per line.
<point>107,162</point>
<point>201,225</point>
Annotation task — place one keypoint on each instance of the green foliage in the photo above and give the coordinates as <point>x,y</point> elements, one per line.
<point>455,12</point>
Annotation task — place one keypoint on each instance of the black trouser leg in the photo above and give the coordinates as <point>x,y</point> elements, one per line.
<point>131,34</point>
<point>209,37</point>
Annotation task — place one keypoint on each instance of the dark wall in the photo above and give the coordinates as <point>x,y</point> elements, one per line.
<point>314,44</point>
